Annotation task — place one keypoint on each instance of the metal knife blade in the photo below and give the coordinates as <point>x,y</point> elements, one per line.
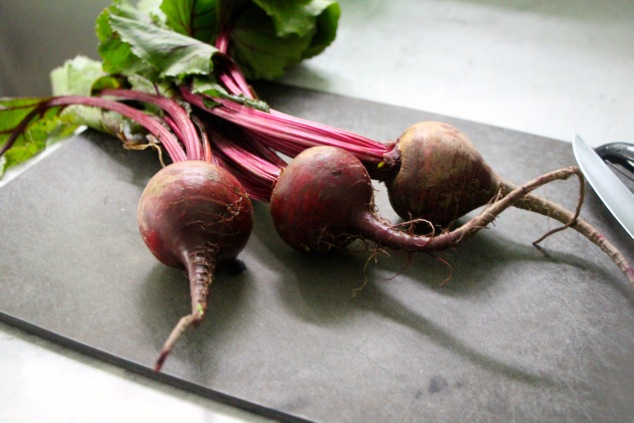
<point>614,194</point>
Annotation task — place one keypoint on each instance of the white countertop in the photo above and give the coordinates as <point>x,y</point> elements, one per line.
<point>551,68</point>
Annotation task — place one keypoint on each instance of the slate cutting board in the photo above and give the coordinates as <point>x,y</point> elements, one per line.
<point>515,334</point>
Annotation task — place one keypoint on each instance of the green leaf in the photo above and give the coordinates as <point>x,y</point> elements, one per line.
<point>195,18</point>
<point>76,76</point>
<point>173,40</point>
<point>294,17</point>
<point>117,55</point>
<point>211,88</point>
<point>268,36</point>
<point>42,130</point>
<point>140,83</point>
<point>14,110</point>
<point>259,51</point>
<point>151,8</point>
<point>326,31</point>
<point>108,81</point>
<point>268,39</point>
<point>130,40</point>
<point>104,121</point>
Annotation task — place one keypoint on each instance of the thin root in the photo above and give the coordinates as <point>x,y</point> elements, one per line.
<point>411,223</point>
<point>446,263</point>
<point>152,144</point>
<point>372,257</point>
<point>555,211</point>
<point>183,324</point>
<point>572,221</point>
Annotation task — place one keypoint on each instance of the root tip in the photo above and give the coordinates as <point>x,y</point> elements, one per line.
<point>182,325</point>
<point>159,362</point>
<point>630,275</point>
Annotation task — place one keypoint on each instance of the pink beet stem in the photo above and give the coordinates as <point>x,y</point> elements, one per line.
<point>186,129</point>
<point>164,136</point>
<point>288,133</point>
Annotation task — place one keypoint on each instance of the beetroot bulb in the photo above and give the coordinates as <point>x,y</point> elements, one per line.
<point>194,214</point>
<point>438,175</point>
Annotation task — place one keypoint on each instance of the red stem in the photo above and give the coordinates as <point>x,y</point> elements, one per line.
<point>230,75</point>
<point>255,166</point>
<point>165,137</point>
<point>289,135</point>
<point>186,130</point>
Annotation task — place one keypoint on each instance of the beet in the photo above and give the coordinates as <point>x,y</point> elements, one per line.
<point>439,176</point>
<point>194,215</point>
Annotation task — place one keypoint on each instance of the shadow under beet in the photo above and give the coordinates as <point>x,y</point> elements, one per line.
<point>323,285</point>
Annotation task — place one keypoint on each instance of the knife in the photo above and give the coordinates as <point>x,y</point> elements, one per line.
<point>620,153</point>
<point>610,189</point>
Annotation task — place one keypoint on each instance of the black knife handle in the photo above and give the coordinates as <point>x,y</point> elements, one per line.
<point>620,153</point>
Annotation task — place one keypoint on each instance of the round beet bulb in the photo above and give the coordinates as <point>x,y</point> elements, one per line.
<point>193,214</point>
<point>441,175</point>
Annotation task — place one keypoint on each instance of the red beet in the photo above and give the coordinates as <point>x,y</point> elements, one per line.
<point>194,214</point>
<point>439,176</point>
<point>323,200</point>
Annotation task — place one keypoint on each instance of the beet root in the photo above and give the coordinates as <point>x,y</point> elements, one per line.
<point>441,175</point>
<point>319,198</point>
<point>194,215</point>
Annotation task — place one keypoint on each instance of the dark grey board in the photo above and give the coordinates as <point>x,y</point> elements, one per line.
<point>516,334</point>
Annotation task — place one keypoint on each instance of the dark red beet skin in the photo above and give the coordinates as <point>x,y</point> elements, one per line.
<point>441,175</point>
<point>194,207</point>
<point>319,199</point>
<point>193,214</point>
